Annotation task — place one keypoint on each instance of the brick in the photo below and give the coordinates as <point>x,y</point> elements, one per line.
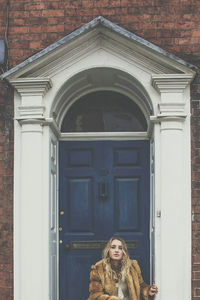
<point>196,33</point>
<point>35,37</point>
<point>88,11</point>
<point>18,44</point>
<point>18,14</point>
<point>75,20</point>
<point>35,45</point>
<point>52,13</point>
<point>4,283</point>
<point>53,21</point>
<point>196,283</point>
<point>88,3</point>
<point>196,275</point>
<point>6,267</point>
<point>4,275</point>
<point>107,11</point>
<point>196,208</point>
<point>128,3</point>
<point>19,30</point>
<point>197,292</point>
<point>34,6</point>
<point>197,217</point>
<point>6,291</point>
<point>16,5</point>
<point>15,22</point>
<point>36,20</point>
<point>36,29</point>
<point>36,13</point>
<point>54,5</point>
<point>195,268</point>
<point>55,28</point>
<point>71,12</point>
<point>74,4</point>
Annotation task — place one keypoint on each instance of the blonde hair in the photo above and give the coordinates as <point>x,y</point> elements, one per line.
<point>121,272</point>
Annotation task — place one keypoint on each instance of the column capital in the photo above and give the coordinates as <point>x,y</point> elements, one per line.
<point>171,83</point>
<point>31,86</point>
<point>173,98</point>
<point>32,92</point>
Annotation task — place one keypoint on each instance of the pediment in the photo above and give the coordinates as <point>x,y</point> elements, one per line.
<point>103,38</point>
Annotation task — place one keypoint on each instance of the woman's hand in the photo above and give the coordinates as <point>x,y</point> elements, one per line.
<point>153,289</point>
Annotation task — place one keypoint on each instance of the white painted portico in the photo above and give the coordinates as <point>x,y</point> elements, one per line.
<point>45,87</point>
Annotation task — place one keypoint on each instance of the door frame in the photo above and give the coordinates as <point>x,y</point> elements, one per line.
<point>121,136</point>
<point>125,136</point>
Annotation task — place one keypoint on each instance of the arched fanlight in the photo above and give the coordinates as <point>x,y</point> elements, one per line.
<point>104,111</point>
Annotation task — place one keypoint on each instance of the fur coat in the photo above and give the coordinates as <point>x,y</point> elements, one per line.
<point>103,288</point>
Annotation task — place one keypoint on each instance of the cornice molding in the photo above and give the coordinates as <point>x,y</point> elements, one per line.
<point>31,86</point>
<point>171,83</point>
<point>99,41</point>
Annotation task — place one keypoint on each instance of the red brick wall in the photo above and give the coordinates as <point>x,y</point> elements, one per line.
<point>195,122</point>
<point>6,178</point>
<point>174,25</point>
<point>6,195</point>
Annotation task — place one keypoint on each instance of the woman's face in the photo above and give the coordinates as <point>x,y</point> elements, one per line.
<point>116,250</point>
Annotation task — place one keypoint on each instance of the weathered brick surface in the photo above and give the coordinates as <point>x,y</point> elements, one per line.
<point>6,192</point>
<point>173,25</point>
<point>195,122</point>
<point>32,25</point>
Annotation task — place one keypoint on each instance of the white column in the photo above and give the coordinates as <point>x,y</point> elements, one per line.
<point>31,213</point>
<point>175,198</point>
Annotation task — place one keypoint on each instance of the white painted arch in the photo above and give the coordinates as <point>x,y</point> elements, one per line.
<point>101,79</point>
<point>45,87</point>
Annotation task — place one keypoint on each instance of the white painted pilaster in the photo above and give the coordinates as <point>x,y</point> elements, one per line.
<point>175,198</point>
<point>31,221</point>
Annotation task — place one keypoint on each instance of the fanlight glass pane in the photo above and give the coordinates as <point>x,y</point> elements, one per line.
<point>104,111</point>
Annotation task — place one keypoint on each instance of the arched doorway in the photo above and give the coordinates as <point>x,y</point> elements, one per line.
<point>100,56</point>
<point>104,186</point>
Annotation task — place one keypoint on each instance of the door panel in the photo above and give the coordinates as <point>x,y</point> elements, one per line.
<point>104,191</point>
<point>127,204</point>
<point>80,213</point>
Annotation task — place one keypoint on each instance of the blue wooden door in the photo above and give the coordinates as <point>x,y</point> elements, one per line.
<point>104,191</point>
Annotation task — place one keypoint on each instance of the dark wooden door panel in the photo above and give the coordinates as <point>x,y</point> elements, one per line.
<point>103,191</point>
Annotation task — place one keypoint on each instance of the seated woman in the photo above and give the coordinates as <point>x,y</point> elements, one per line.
<point>117,277</point>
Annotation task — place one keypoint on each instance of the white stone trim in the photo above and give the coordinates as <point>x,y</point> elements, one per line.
<point>40,105</point>
<point>171,127</point>
<point>103,136</point>
<point>173,146</point>
<point>31,86</point>
<point>170,83</point>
